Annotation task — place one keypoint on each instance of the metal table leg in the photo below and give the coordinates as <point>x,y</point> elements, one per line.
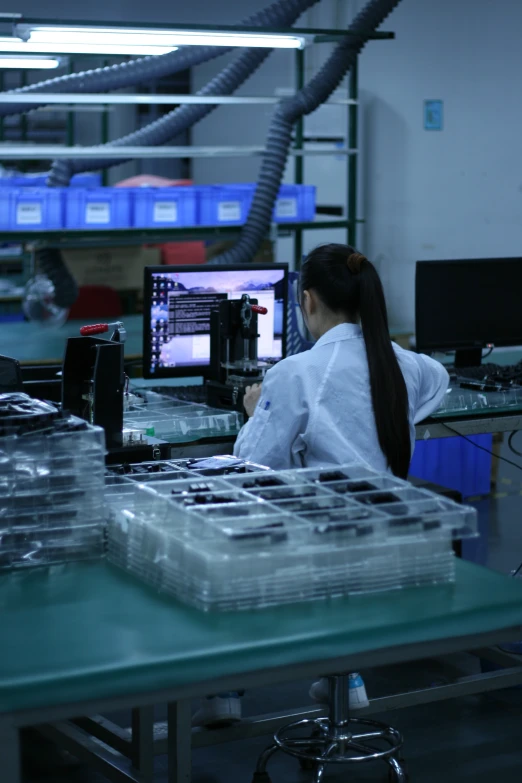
<point>142,745</point>
<point>179,741</point>
<point>10,759</point>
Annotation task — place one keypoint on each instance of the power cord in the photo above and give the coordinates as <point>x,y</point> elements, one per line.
<point>483,448</point>
<point>510,444</point>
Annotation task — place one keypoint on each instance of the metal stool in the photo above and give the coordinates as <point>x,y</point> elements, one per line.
<point>337,739</point>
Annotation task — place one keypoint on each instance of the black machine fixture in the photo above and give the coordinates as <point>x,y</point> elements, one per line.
<point>233,351</point>
<point>93,379</point>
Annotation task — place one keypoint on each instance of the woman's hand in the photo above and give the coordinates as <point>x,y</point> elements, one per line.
<point>251,398</point>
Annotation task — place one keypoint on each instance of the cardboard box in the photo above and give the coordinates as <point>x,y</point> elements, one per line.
<point>118,267</point>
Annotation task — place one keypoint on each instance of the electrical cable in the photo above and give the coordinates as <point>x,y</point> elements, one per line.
<point>510,444</point>
<point>482,448</point>
<point>289,110</point>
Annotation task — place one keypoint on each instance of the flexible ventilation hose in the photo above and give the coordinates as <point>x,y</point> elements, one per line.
<point>318,90</point>
<point>146,69</point>
<point>167,127</point>
<point>177,121</point>
<point>50,263</point>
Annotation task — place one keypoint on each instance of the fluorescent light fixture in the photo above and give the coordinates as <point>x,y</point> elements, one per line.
<point>23,63</point>
<point>89,46</point>
<point>133,41</point>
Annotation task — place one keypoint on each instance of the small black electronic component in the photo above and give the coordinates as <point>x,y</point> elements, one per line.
<point>407,523</point>
<point>272,531</point>
<point>353,528</point>
<point>212,499</point>
<point>332,475</point>
<point>377,498</point>
<point>344,487</point>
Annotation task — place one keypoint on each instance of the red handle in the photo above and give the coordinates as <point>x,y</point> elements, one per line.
<point>94,329</point>
<point>259,310</point>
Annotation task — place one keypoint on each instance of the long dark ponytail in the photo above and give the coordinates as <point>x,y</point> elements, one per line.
<point>347,283</point>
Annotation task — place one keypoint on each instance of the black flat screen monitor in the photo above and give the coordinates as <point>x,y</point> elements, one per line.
<point>465,305</point>
<point>178,301</point>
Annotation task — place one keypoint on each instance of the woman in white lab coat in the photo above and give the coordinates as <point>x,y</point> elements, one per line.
<point>355,396</point>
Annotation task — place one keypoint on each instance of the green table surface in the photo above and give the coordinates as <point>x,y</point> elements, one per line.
<point>81,632</point>
<point>32,343</point>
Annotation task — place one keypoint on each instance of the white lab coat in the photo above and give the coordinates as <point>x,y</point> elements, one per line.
<point>315,407</point>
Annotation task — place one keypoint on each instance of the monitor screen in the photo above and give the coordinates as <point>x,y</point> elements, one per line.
<point>468,303</point>
<point>177,306</point>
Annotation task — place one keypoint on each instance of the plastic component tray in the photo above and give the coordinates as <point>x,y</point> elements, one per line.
<point>228,205</point>
<point>176,421</point>
<point>266,538</point>
<point>295,203</point>
<point>163,207</point>
<point>98,208</point>
<point>224,205</point>
<point>458,400</point>
<point>39,180</point>
<point>51,485</point>
<point>31,208</point>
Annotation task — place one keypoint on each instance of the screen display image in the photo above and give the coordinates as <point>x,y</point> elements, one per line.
<point>178,306</point>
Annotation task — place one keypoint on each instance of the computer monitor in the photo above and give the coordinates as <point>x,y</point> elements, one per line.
<point>178,301</point>
<point>465,305</point>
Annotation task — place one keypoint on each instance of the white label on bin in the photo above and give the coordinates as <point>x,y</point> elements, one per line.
<point>29,213</point>
<point>228,211</point>
<point>286,208</point>
<point>165,212</point>
<point>98,212</point>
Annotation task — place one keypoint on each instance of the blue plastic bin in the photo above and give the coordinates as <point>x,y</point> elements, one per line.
<point>455,463</point>
<point>29,209</point>
<point>295,203</point>
<point>97,208</point>
<point>11,318</point>
<point>228,205</point>
<point>224,205</point>
<point>87,180</point>
<point>162,207</point>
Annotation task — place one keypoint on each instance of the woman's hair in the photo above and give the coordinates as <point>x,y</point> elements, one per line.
<point>347,283</point>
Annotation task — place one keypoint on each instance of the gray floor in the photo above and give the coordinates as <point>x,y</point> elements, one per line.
<point>474,739</point>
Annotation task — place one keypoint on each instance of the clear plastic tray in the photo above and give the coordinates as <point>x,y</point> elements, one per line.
<point>283,537</point>
<point>176,421</point>
<point>458,400</point>
<point>52,496</point>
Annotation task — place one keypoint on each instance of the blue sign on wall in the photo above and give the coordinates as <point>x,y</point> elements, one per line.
<point>432,115</point>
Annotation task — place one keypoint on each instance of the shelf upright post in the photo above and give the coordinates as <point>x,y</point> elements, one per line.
<point>70,115</point>
<point>299,159</point>
<point>353,108</point>
<point>105,133</point>
<point>2,87</point>
<point>23,120</point>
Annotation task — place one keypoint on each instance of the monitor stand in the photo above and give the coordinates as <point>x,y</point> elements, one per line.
<point>468,357</point>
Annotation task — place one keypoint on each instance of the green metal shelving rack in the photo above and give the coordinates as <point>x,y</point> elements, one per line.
<point>349,221</point>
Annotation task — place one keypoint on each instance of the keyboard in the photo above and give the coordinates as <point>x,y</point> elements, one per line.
<point>507,375</point>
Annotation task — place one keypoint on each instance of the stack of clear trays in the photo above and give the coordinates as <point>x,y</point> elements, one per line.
<point>51,495</point>
<point>261,539</point>
<point>458,399</point>
<point>176,421</point>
